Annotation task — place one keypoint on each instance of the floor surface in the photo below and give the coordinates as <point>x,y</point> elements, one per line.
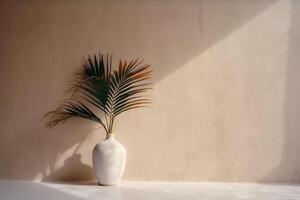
<point>15,190</point>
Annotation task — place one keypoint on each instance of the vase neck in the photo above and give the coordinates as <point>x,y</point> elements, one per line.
<point>110,136</point>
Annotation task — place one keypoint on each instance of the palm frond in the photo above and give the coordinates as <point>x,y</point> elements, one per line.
<point>112,92</point>
<point>69,109</point>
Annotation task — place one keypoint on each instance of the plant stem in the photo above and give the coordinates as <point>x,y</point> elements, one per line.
<point>111,121</point>
<point>104,127</point>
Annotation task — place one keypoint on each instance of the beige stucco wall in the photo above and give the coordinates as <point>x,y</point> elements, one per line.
<point>225,99</point>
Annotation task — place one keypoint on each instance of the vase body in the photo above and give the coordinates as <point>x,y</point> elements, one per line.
<point>109,158</point>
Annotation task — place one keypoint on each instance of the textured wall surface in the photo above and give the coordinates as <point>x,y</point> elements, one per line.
<point>226,98</point>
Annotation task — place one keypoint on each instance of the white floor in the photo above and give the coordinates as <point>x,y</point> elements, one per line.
<point>15,190</point>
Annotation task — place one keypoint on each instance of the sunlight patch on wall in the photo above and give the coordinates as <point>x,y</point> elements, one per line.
<point>229,102</point>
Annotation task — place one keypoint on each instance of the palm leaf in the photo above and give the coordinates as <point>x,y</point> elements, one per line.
<point>112,92</point>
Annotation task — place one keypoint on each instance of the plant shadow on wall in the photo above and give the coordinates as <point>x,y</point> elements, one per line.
<point>100,94</point>
<point>288,169</point>
<point>177,41</point>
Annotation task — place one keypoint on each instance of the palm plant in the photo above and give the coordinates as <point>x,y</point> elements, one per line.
<point>111,92</point>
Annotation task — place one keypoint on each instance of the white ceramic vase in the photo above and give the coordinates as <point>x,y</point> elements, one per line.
<point>109,158</point>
